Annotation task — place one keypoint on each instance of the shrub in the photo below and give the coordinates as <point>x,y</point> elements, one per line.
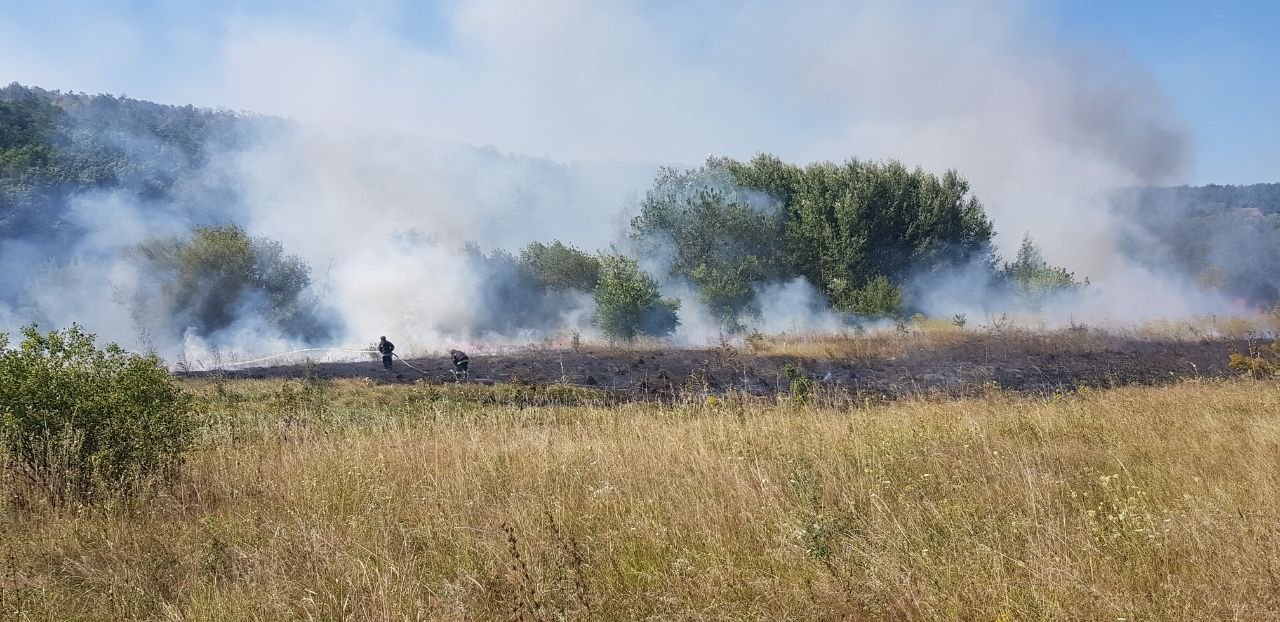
<point>877,298</point>
<point>76,419</point>
<point>801,386</point>
<point>1261,360</point>
<point>628,303</point>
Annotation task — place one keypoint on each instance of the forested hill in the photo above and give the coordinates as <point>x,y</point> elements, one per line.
<point>1225,238</point>
<point>54,146</point>
<point>1257,199</point>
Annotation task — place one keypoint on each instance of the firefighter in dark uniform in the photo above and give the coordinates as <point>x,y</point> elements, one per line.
<point>460,362</point>
<point>386,348</point>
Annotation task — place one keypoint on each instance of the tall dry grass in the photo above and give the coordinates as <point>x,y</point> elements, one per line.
<point>353,502</point>
<point>1005,335</point>
<point>933,339</point>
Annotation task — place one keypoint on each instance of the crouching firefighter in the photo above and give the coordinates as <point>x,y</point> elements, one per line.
<point>386,348</point>
<point>460,362</point>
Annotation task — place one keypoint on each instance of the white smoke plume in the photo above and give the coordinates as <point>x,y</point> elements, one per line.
<point>382,124</point>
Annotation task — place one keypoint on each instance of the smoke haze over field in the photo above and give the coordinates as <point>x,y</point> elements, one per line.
<point>382,219</point>
<point>376,184</point>
<point>1043,131</point>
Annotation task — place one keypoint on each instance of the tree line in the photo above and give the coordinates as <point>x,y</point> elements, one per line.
<point>857,231</point>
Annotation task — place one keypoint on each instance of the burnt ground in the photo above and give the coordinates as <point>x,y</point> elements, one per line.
<point>1036,365</point>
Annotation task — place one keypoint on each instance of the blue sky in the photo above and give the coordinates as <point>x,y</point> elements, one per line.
<point>1215,65</point>
<point>1218,61</point>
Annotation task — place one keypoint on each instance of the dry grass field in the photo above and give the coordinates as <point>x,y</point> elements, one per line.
<point>348,500</point>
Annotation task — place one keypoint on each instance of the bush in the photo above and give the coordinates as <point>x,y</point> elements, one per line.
<point>801,386</point>
<point>1260,361</point>
<point>877,298</point>
<point>628,303</point>
<point>76,421</point>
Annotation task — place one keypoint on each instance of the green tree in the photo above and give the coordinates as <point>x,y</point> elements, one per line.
<point>74,417</point>
<point>1032,279</point>
<point>850,224</point>
<point>853,230</point>
<point>511,297</point>
<point>628,303</point>
<point>27,125</point>
<point>210,279</point>
<point>559,267</point>
<point>723,238</point>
